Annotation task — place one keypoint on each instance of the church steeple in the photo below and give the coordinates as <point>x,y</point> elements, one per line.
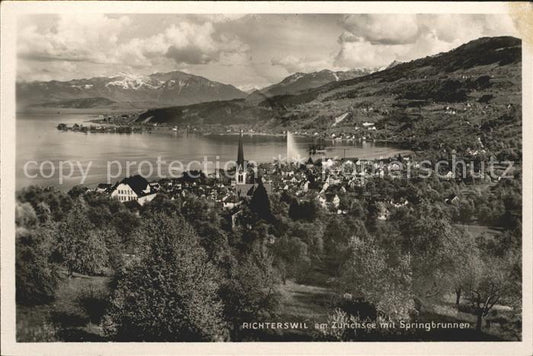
<point>240,153</point>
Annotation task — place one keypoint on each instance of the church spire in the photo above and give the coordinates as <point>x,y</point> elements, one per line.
<point>240,153</point>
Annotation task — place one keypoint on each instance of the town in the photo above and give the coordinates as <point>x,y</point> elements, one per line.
<point>322,179</point>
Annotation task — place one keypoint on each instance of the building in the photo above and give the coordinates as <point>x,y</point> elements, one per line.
<point>134,188</point>
<point>240,154</point>
<point>245,179</point>
<point>243,185</point>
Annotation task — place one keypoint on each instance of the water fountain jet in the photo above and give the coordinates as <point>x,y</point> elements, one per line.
<point>292,152</point>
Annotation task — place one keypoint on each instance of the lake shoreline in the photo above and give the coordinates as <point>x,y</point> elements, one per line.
<point>38,140</point>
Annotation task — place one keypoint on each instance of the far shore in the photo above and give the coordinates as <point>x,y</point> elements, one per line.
<point>205,130</point>
<point>61,111</point>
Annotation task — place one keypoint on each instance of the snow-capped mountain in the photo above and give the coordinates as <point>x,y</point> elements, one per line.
<point>133,81</point>
<point>155,90</point>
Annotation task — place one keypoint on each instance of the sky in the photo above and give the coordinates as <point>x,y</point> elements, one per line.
<point>245,50</point>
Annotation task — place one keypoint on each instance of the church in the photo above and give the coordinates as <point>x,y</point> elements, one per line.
<point>246,179</point>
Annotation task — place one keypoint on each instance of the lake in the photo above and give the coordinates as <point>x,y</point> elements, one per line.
<point>43,150</point>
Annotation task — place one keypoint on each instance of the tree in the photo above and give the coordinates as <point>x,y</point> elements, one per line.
<point>311,234</point>
<point>466,262</point>
<point>76,191</point>
<point>513,210</point>
<point>125,224</point>
<point>291,256</point>
<point>305,210</point>
<point>36,276</point>
<point>25,215</point>
<point>249,291</point>
<point>436,248</point>
<point>489,282</point>
<point>43,212</point>
<point>260,203</point>
<point>57,203</point>
<point>170,292</point>
<point>337,236</point>
<point>466,211</point>
<point>81,246</point>
<point>383,280</point>
<point>356,209</point>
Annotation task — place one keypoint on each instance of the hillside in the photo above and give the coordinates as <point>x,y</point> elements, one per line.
<point>299,82</point>
<point>159,89</point>
<point>83,103</point>
<point>236,111</point>
<point>467,97</point>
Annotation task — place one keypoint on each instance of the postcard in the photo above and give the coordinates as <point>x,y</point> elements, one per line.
<point>266,178</point>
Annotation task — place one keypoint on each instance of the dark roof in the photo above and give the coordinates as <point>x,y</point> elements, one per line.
<point>136,183</point>
<point>104,185</point>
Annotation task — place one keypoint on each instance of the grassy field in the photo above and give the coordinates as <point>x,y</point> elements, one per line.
<point>313,304</point>
<point>306,303</point>
<point>300,303</point>
<point>73,316</point>
<point>478,230</point>
<point>76,312</point>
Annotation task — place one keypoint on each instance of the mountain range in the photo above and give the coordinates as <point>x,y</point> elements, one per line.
<point>436,100</point>
<point>125,90</point>
<point>160,90</point>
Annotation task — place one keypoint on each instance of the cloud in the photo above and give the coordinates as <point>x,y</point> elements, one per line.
<point>294,64</point>
<point>184,43</point>
<point>188,54</point>
<point>453,28</point>
<point>220,18</point>
<point>95,39</point>
<point>45,71</point>
<point>380,28</point>
<point>242,49</point>
<point>71,38</point>
<point>377,40</point>
<point>192,44</point>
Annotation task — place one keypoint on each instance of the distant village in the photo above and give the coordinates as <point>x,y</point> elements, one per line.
<point>125,124</point>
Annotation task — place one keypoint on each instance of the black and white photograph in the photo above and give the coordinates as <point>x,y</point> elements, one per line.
<point>279,177</point>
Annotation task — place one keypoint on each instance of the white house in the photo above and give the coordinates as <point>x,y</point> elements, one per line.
<point>132,188</point>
